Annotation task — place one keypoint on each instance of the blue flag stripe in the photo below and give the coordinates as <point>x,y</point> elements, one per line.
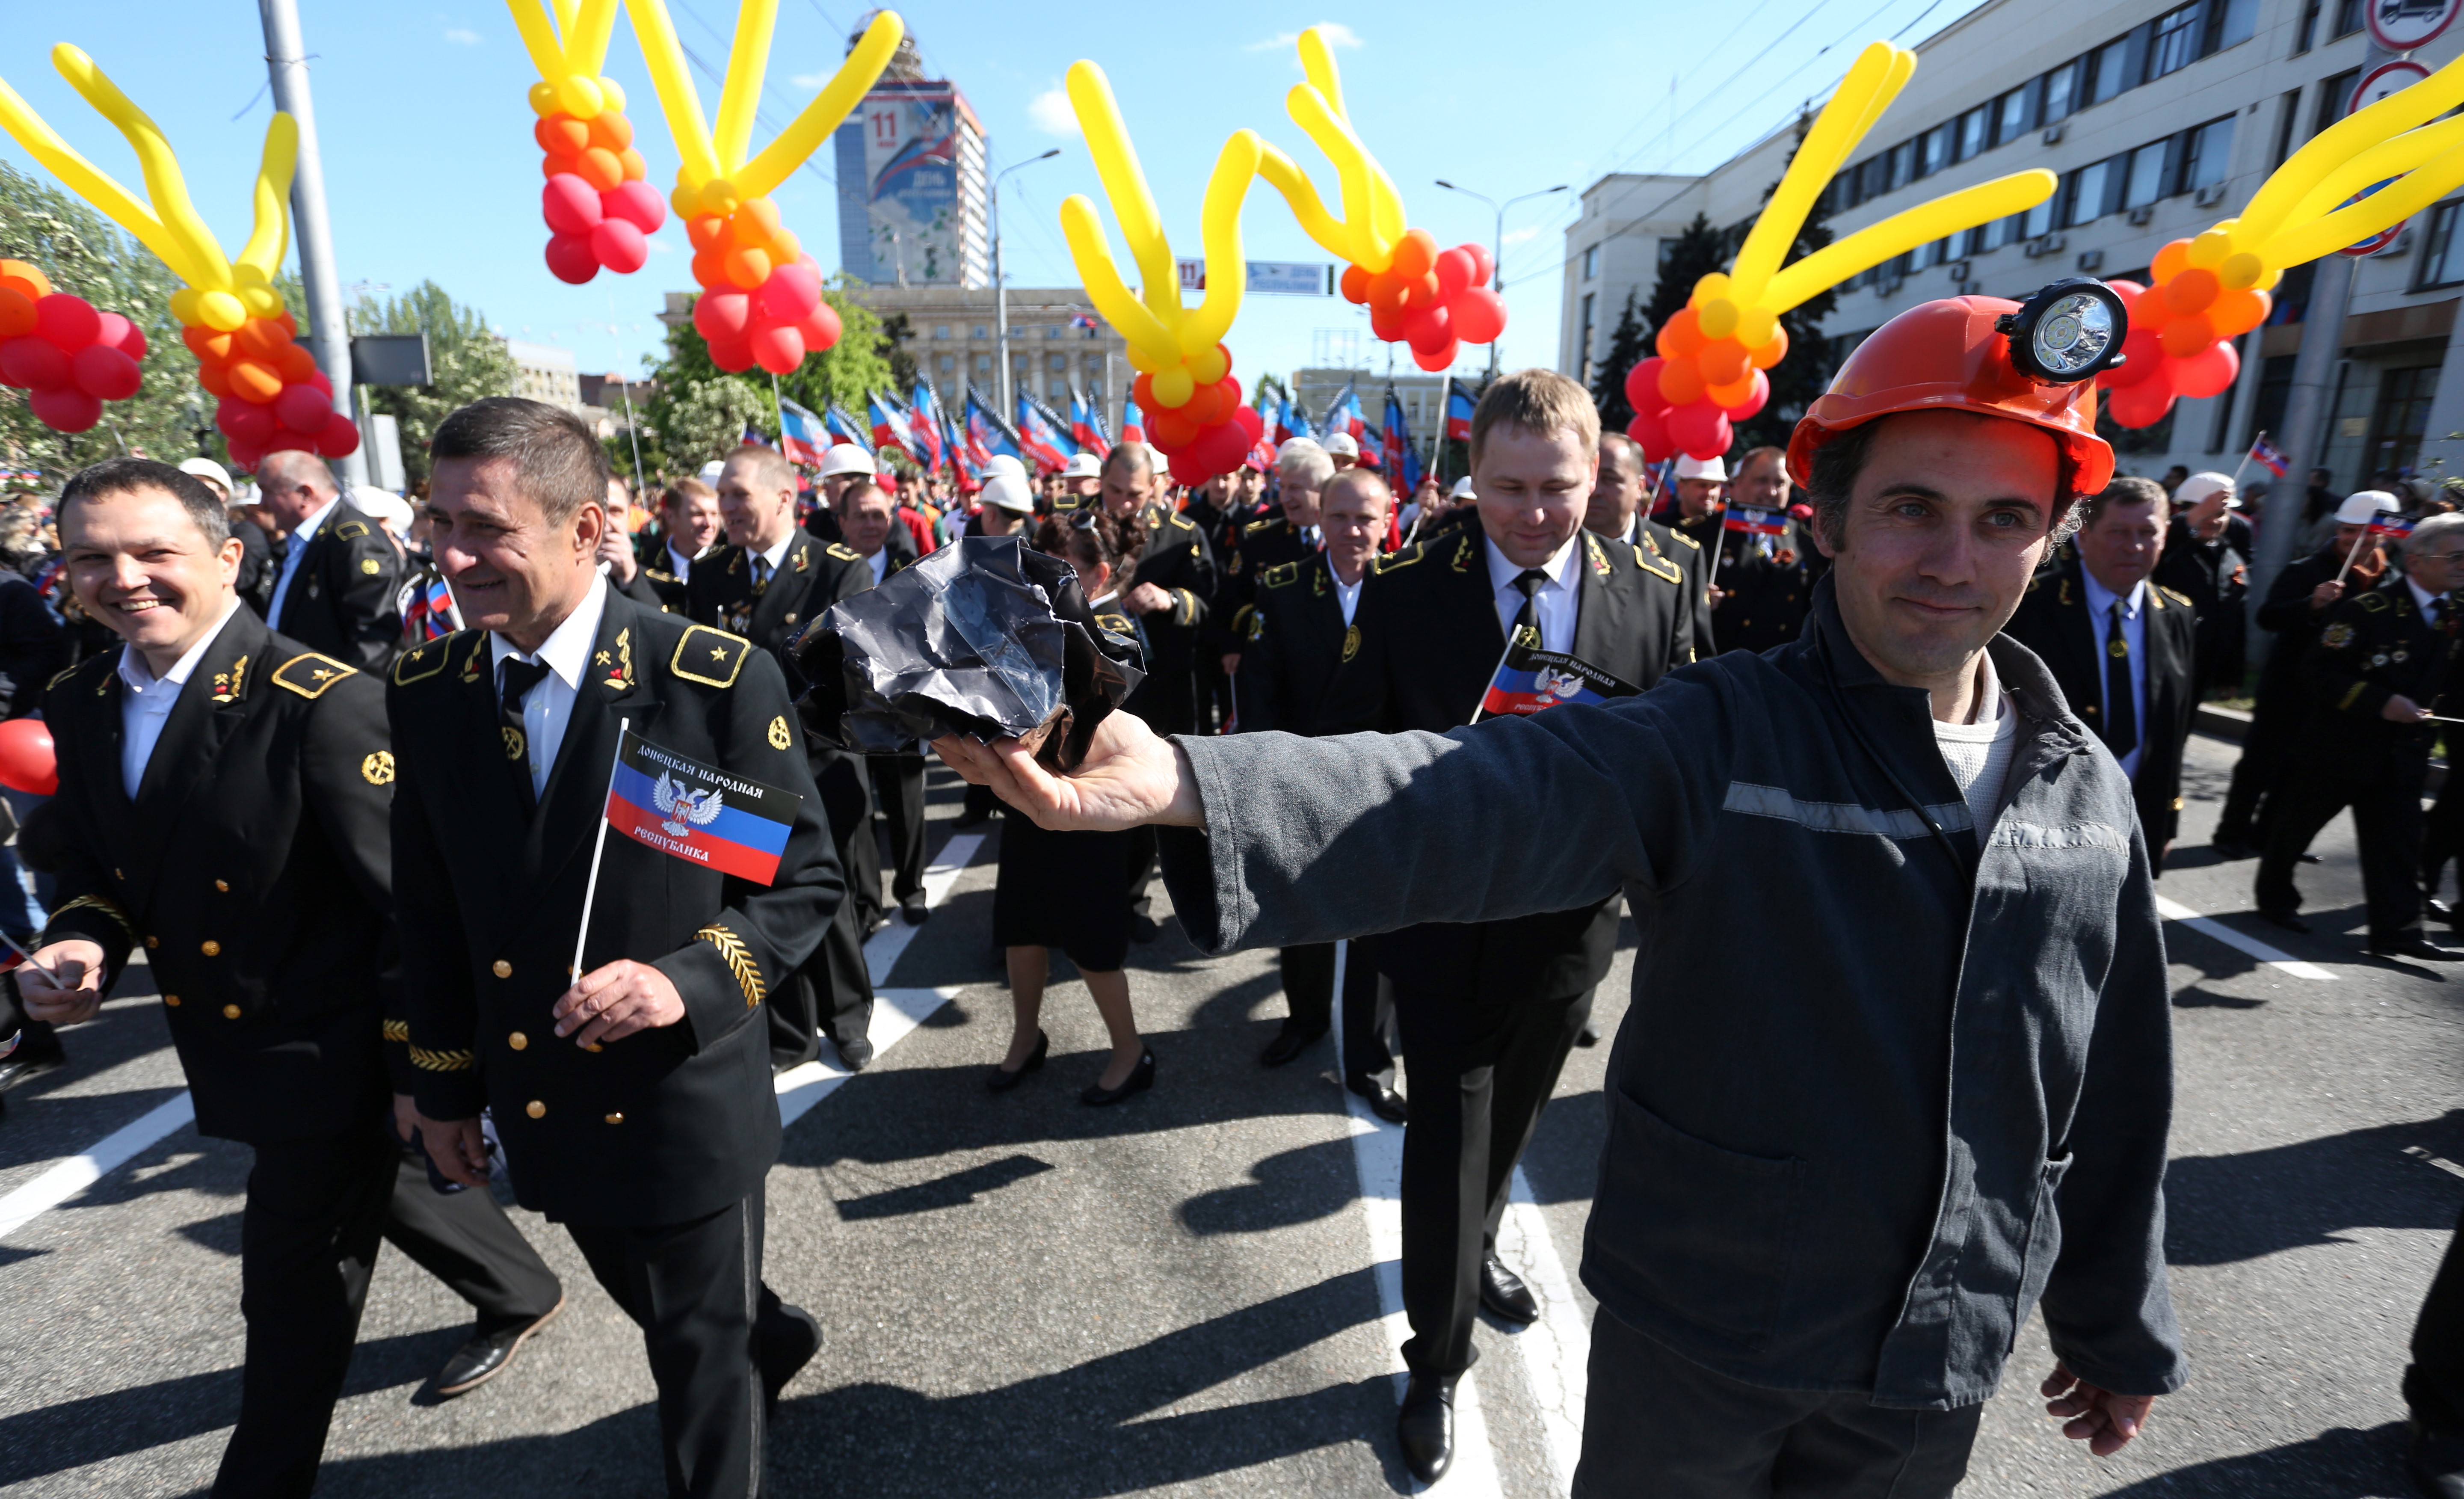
<point>736,827</point>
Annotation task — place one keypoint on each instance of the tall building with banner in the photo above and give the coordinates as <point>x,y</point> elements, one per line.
<point>911,186</point>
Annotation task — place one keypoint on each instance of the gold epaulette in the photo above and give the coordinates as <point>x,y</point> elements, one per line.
<point>1687,539</point>
<point>2176,595</point>
<point>1279,574</point>
<point>1259,527</point>
<point>423,661</point>
<point>2375,602</point>
<point>1388,561</point>
<point>712,657</point>
<point>843,552</point>
<point>350,530</point>
<point>309,673</point>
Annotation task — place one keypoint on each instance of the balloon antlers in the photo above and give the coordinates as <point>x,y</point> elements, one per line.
<point>600,208</point>
<point>1434,300</point>
<point>273,394</point>
<point>2357,177</point>
<point>1709,372</point>
<point>761,300</point>
<point>1184,383</point>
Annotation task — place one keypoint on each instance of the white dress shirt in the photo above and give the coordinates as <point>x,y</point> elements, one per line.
<point>1346,594</point>
<point>1559,598</point>
<point>879,563</point>
<point>548,708</point>
<point>680,565</point>
<point>2134,633</point>
<point>294,550</point>
<point>2423,599</point>
<point>773,557</point>
<point>147,700</point>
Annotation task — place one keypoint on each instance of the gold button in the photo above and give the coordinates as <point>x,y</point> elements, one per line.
<point>224,885</point>
<point>518,1041</point>
<point>120,874</point>
<point>210,948</point>
<point>231,1012</point>
<point>535,1109</point>
<point>502,969</point>
<point>615,1118</point>
<point>593,1047</point>
<point>172,1000</point>
<point>153,942</point>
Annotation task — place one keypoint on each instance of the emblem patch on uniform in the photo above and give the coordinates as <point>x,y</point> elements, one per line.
<point>779,738</point>
<point>1351,642</point>
<point>2117,647</point>
<point>369,565</point>
<point>2337,636</point>
<point>376,769</point>
<point>515,746</point>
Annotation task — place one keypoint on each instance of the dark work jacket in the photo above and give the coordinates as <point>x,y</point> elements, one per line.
<point>2288,616</point>
<point>2215,575</point>
<point>257,563</point>
<point>1428,645</point>
<point>668,1124</point>
<point>1766,599</point>
<point>1846,1150</point>
<point>342,600</point>
<point>2372,646</point>
<point>253,866</point>
<point>1297,640</point>
<point>2052,622</point>
<point>33,644</point>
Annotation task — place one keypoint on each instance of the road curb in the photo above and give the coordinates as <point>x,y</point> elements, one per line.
<point>2219,721</point>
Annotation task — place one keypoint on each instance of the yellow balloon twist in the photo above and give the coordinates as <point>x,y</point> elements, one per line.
<point>569,49</point>
<point>1373,211</point>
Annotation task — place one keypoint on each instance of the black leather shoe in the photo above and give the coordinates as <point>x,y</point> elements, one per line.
<point>2435,1461</point>
<point>2285,919</point>
<point>488,1354</point>
<point>1587,1037</point>
<point>855,1051</point>
<point>1141,1078</point>
<point>1288,1044</point>
<point>38,1051</point>
<point>1383,1101</point>
<point>2232,849</point>
<point>2309,858</point>
<point>1503,1292</point>
<point>783,1342</point>
<point>2439,909</point>
<point>1002,1079</point>
<point>1425,1426</point>
<point>2413,944</point>
<point>914,908</point>
<point>1142,927</point>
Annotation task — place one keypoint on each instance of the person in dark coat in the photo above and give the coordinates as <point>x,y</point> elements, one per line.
<point>868,519</point>
<point>1619,510</point>
<point>2208,549</point>
<point>339,580</point>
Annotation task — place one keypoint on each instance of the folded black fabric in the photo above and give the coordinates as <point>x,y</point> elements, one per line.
<point>986,637</point>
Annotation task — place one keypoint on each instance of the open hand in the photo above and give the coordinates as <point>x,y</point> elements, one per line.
<point>2400,708</point>
<point>611,1002</point>
<point>2104,1421</point>
<point>72,991</point>
<point>1128,777</point>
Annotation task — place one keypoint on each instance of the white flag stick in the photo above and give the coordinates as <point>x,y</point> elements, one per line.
<point>597,848</point>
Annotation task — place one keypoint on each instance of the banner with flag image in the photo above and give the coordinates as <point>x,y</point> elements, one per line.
<point>1040,433</point>
<point>699,814</point>
<point>2267,455</point>
<point>802,435</point>
<point>1531,680</point>
<point>987,435</point>
<point>1133,427</point>
<point>888,421</point>
<point>842,428</point>
<point>922,420</point>
<point>1459,408</point>
<point>1402,465</point>
<point>2389,524</point>
<point>1755,523</point>
<point>1086,425</point>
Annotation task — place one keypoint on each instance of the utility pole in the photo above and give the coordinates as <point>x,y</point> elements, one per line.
<point>1497,245</point>
<point>1000,285</point>
<point>329,337</point>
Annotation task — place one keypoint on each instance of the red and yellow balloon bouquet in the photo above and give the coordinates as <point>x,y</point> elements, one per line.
<point>600,208</point>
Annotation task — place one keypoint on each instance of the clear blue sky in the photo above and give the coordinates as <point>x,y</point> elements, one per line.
<point>432,171</point>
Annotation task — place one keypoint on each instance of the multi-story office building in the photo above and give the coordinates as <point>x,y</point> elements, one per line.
<point>1056,340</point>
<point>2159,120</point>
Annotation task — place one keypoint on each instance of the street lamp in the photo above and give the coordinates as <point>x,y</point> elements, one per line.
<point>1000,286</point>
<point>1497,247</point>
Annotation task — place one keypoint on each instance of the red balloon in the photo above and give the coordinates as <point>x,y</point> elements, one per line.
<point>2143,353</point>
<point>341,437</point>
<point>68,321</point>
<point>1480,315</point>
<point>821,330</point>
<point>620,246</point>
<point>1430,329</point>
<point>1480,264</point>
<point>303,409</point>
<point>324,386</point>
<point>570,259</point>
<point>778,348</point>
<point>570,205</point>
<point>1754,402</point>
<point>111,329</point>
<point>1224,445</point>
<point>1642,385</point>
<point>244,422</point>
<point>132,342</point>
<point>1650,427</point>
<point>34,364</point>
<point>1455,269</point>
<point>1186,469</point>
<point>1700,430</point>
<point>1386,327</point>
<point>1442,359</point>
<point>722,317</point>
<point>28,762</point>
<point>65,409</point>
<point>285,440</point>
<point>790,295</point>
<point>637,203</point>
<point>1251,423</point>
<point>2129,292</point>
<point>731,355</point>
<point>2210,372</point>
<point>246,456</point>
<point>106,374</point>
<point>2143,405</point>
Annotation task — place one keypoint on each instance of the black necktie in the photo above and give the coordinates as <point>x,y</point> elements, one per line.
<point>514,680</point>
<point>2121,713</point>
<point>760,576</point>
<point>1528,617</point>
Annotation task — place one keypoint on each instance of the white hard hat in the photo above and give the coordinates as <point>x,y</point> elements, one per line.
<point>1006,485</point>
<point>1463,489</point>
<point>711,470</point>
<point>1689,466</point>
<point>209,469</point>
<point>845,458</point>
<point>382,505</point>
<point>1342,443</point>
<point>2199,486</point>
<point>1081,466</point>
<point>2358,509</point>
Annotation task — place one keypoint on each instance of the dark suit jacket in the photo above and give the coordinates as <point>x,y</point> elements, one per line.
<point>33,644</point>
<point>253,865</point>
<point>2215,575</point>
<point>2052,622</point>
<point>1297,640</point>
<point>668,1124</point>
<point>1177,561</point>
<point>1768,601</point>
<point>1429,644</point>
<point>343,598</point>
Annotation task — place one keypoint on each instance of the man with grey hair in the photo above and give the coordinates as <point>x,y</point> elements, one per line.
<point>339,577</point>
<point>2382,665</point>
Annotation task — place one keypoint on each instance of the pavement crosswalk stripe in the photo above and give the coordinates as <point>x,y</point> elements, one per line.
<point>1556,1351</point>
<point>2208,926</point>
<point>80,1171</point>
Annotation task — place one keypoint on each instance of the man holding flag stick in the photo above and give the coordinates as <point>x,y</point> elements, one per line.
<point>631,1089</point>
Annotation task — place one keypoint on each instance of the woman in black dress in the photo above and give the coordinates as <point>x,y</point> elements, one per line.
<point>1070,891</point>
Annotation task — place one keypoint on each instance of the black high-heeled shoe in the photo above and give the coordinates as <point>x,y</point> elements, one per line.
<point>1141,1078</point>
<point>1002,1079</point>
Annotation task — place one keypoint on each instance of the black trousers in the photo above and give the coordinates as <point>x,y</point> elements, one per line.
<point>1680,1431</point>
<point>694,1290</point>
<point>2380,777</point>
<point>2433,1386</point>
<point>830,996</point>
<point>1368,1008</point>
<point>900,780</point>
<point>1214,695</point>
<point>2442,835</point>
<point>308,1239</point>
<point>1480,1073</point>
<point>2266,747</point>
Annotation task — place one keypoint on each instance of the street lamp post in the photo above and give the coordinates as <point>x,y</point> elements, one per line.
<point>328,339</point>
<point>1000,284</point>
<point>1497,243</point>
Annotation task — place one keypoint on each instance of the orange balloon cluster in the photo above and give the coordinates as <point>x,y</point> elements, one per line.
<point>1703,381</point>
<point>761,300</point>
<point>598,208</point>
<point>273,396</point>
<point>2179,339</point>
<point>1434,300</point>
<point>1207,434</point>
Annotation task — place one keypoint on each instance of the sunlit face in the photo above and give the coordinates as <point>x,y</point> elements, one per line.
<point>757,516</point>
<point>2121,548</point>
<point>1354,521</point>
<point>2438,563</point>
<point>1619,492</point>
<point>1533,490</point>
<point>1125,488</point>
<point>139,563</point>
<point>1300,498</point>
<point>1761,483</point>
<point>1698,497</point>
<point>692,522</point>
<point>510,568</point>
<point>866,516</point>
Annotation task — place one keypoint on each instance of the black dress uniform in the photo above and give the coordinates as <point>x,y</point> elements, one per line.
<point>1767,600</point>
<point>832,993</point>
<point>251,865</point>
<point>1488,1011</point>
<point>651,1150</point>
<point>899,780</point>
<point>2215,575</point>
<point>2373,646</point>
<point>1297,640</point>
<point>1177,561</point>
<point>341,598</point>
<point>2282,704</point>
<point>1224,632</point>
<point>2053,621</point>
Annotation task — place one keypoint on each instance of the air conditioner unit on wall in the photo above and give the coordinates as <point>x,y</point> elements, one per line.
<point>2210,195</point>
<point>2090,259</point>
<point>2052,135</point>
<point>1959,271</point>
<point>2143,214</point>
<point>2042,245</point>
<point>1889,287</point>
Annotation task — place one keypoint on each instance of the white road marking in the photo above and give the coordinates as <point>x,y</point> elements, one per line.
<point>890,943</point>
<point>2207,926</point>
<point>80,1171</point>
<point>1556,1351</point>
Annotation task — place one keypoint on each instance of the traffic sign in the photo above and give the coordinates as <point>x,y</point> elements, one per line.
<point>2403,25</point>
<point>2386,78</point>
<point>2376,242</point>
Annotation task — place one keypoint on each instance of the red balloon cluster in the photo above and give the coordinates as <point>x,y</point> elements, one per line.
<point>600,211</point>
<point>273,397</point>
<point>2180,338</point>
<point>774,326</point>
<point>1207,434</point>
<point>66,356</point>
<point>1434,300</point>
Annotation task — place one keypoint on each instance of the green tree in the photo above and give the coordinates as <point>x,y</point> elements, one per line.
<point>1629,345</point>
<point>705,419</point>
<point>466,361</point>
<point>690,395</point>
<point>1697,250</point>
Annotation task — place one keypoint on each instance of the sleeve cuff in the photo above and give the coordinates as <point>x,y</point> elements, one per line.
<point>720,982</point>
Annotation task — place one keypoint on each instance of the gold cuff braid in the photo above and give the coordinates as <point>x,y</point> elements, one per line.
<point>740,961</point>
<point>442,1061</point>
<point>397,1030</point>
<point>102,903</point>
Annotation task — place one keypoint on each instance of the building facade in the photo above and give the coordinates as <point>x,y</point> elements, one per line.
<point>911,185</point>
<point>1056,342</point>
<point>545,373</point>
<point>1316,389</point>
<point>2159,119</point>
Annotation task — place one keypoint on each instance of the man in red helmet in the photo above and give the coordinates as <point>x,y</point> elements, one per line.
<point>1936,1097</point>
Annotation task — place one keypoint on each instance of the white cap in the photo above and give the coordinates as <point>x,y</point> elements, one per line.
<point>209,469</point>
<point>1156,462</point>
<point>1006,485</point>
<point>2199,486</point>
<point>845,458</point>
<point>711,470</point>
<point>382,505</point>
<point>1689,466</point>
<point>2359,508</point>
<point>1081,466</point>
<point>1341,443</point>
<point>1463,489</point>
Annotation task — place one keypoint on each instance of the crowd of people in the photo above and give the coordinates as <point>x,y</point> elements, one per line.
<point>1939,661</point>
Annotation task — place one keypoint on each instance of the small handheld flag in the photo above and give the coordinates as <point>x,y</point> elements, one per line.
<point>713,818</point>
<point>1755,523</point>
<point>2389,523</point>
<point>1531,680</point>
<point>2268,456</point>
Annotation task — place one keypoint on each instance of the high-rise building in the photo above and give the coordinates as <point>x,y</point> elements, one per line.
<point>911,190</point>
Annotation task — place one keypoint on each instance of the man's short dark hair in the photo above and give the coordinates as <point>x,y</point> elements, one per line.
<point>770,467</point>
<point>2125,490</point>
<point>1627,449</point>
<point>1838,462</point>
<point>683,493</point>
<point>127,475</point>
<point>556,461</point>
<point>861,487</point>
<point>1132,453</point>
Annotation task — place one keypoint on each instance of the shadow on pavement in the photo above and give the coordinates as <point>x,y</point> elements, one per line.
<point>2341,1463</point>
<point>2222,1210</point>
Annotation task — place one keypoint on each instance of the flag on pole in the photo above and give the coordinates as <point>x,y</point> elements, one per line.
<point>1402,460</point>
<point>921,421</point>
<point>1040,433</point>
<point>888,421</point>
<point>1087,425</point>
<point>2268,456</point>
<point>987,435</point>
<point>1459,409</point>
<point>802,435</point>
<point>1261,453</point>
<point>1531,680</point>
<point>1755,523</point>
<point>842,428</point>
<point>1293,423</point>
<point>2389,523</point>
<point>1133,427</point>
<point>427,614</point>
<point>713,818</point>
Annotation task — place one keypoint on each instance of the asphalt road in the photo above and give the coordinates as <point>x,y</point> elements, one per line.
<point>1193,1292</point>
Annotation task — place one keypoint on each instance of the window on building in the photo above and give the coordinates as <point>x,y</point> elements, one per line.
<point>2010,119</point>
<point>2333,95</point>
<point>2174,44</point>
<point>2206,154</point>
<point>981,331</point>
<point>2039,221</point>
<point>2109,71</point>
<point>2088,189</point>
<point>2402,416</point>
<point>2349,18</point>
<point>2230,24</point>
<point>1989,236</point>
<point>1057,361</point>
<point>1903,159</point>
<point>1925,256</point>
<point>1972,133</point>
<point>1591,301</point>
<point>1935,149</point>
<point>2145,182</point>
<point>1590,262</point>
<point>940,330</point>
<point>946,364</point>
<point>985,366</point>
<point>2061,89</point>
<point>1052,330</point>
<point>2308,30</point>
<point>2442,260</point>
<point>2288,115</point>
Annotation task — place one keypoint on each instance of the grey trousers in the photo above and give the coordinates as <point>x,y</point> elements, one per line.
<point>1675,1430</point>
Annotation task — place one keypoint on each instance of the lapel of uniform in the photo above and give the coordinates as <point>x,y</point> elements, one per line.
<point>114,811</point>
<point>1609,626</point>
<point>209,706</point>
<point>575,795</point>
<point>484,797</point>
<point>785,595</point>
<point>2076,629</point>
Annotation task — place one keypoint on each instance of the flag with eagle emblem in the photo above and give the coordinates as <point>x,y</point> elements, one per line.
<point>705,816</point>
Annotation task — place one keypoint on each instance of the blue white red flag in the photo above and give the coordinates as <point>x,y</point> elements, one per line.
<point>713,818</point>
<point>1755,523</point>
<point>1459,409</point>
<point>802,435</point>
<point>2387,523</point>
<point>1040,433</point>
<point>427,614</point>
<point>888,421</point>
<point>1531,680</point>
<point>1086,425</point>
<point>987,435</point>
<point>1402,466</point>
<point>1133,427</point>
<point>921,420</point>
<point>2267,456</point>
<point>1293,422</point>
<point>842,428</point>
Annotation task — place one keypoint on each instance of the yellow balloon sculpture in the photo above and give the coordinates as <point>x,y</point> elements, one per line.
<point>600,207</point>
